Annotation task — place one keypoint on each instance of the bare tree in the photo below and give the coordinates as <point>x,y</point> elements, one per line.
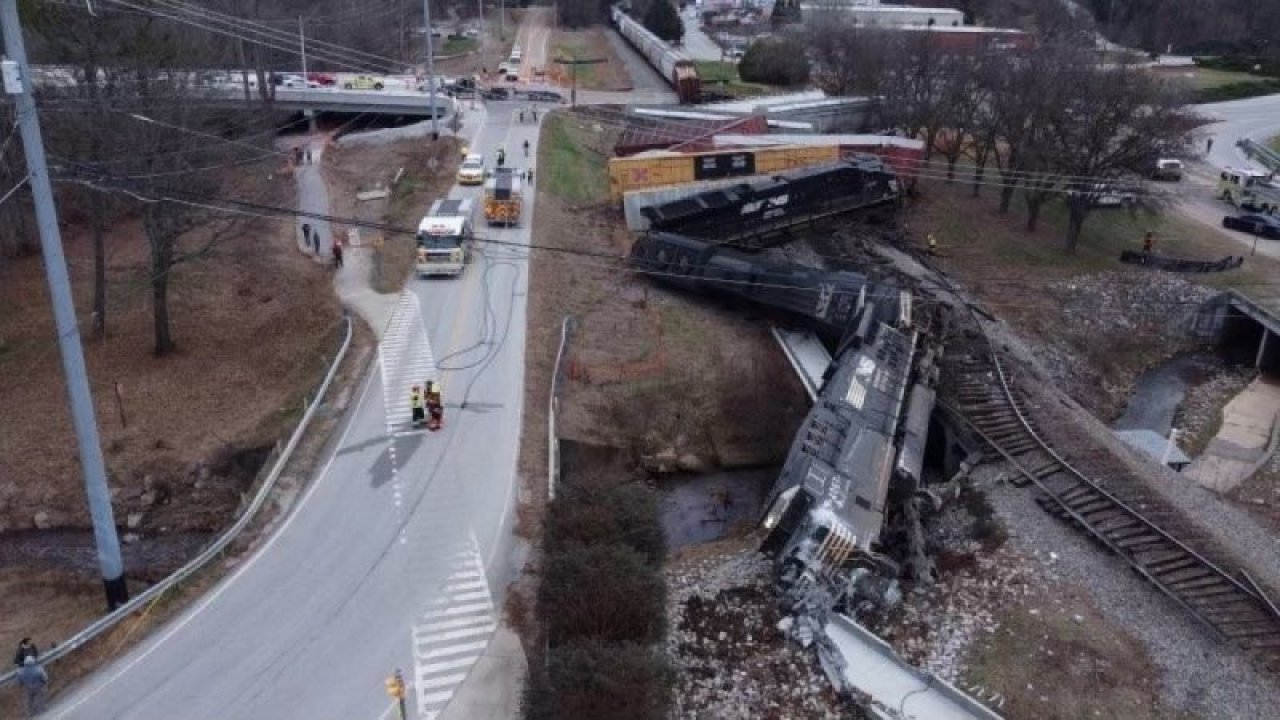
<point>1114,124</point>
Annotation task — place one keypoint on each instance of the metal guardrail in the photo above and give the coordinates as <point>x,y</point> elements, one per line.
<point>553,442</point>
<point>1261,153</point>
<point>110,620</point>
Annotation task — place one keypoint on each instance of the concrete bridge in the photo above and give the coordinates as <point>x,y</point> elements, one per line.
<point>316,100</point>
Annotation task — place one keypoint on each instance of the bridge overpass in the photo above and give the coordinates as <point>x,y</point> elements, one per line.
<point>383,102</point>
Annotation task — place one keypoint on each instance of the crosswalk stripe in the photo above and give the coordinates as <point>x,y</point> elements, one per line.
<point>452,631</point>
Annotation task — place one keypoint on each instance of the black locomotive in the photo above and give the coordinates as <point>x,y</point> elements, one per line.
<point>743,214</point>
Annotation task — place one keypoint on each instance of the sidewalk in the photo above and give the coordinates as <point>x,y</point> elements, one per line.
<point>1243,442</point>
<point>351,282</point>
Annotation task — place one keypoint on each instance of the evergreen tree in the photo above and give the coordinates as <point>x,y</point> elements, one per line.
<point>662,20</point>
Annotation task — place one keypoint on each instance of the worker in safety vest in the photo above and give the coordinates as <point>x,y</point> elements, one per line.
<point>416,405</point>
<point>465,151</point>
<point>435,406</point>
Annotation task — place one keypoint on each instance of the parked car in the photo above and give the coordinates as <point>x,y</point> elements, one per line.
<point>1267,226</point>
<point>1167,169</point>
<point>363,82</point>
<point>322,79</point>
<point>497,93</point>
<point>544,96</point>
<point>471,172</point>
<point>293,81</point>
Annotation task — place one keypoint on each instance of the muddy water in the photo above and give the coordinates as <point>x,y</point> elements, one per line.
<point>700,508</point>
<point>1161,390</point>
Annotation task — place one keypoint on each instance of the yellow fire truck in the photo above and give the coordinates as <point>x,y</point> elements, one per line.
<point>502,198</point>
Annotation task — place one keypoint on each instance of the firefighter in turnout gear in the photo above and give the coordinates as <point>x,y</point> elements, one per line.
<point>435,406</point>
<point>416,405</point>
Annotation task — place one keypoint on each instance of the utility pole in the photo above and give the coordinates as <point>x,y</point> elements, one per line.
<point>573,74</point>
<point>17,83</point>
<point>431,72</point>
<point>302,41</point>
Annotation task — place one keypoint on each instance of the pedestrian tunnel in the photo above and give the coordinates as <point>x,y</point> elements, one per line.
<point>1245,331</point>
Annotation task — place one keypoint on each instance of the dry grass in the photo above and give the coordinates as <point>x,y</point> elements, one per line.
<point>580,45</point>
<point>1007,268</point>
<point>429,170</point>
<point>252,322</point>
<point>1052,668</point>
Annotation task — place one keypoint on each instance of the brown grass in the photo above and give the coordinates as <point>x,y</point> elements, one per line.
<point>252,322</point>
<point>580,45</point>
<point>365,166</point>
<point>1051,668</point>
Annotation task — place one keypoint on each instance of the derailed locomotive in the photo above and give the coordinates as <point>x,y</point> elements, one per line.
<point>852,477</point>
<point>826,301</point>
<point>740,212</point>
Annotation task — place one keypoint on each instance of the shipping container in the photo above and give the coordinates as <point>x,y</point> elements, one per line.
<point>641,172</point>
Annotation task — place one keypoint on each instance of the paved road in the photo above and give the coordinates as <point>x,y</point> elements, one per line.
<point>1254,118</point>
<point>397,554</point>
<point>697,44</point>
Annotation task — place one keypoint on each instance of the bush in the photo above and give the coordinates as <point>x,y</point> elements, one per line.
<point>603,510</point>
<point>607,592</point>
<point>590,679</point>
<point>662,20</point>
<point>775,62</point>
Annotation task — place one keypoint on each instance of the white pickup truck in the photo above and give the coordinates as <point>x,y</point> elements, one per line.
<point>443,238</point>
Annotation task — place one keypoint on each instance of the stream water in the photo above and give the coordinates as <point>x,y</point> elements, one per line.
<point>1160,390</point>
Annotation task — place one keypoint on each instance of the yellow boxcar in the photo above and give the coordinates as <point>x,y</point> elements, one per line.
<point>641,173</point>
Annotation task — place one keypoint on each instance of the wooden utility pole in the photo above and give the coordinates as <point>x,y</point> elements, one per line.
<point>573,74</point>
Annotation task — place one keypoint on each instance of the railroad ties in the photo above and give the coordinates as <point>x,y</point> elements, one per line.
<point>1123,516</point>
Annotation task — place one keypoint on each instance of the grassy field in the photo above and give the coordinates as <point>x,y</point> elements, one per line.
<point>723,76</point>
<point>458,46</point>
<point>1205,78</point>
<point>968,229</point>
<point>571,161</point>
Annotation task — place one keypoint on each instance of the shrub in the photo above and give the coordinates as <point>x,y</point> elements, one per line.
<point>775,62</point>
<point>602,509</point>
<point>589,679</point>
<point>662,20</point>
<point>604,591</point>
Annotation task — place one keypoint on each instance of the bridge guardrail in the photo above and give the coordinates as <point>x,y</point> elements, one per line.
<point>108,621</point>
<point>1261,153</point>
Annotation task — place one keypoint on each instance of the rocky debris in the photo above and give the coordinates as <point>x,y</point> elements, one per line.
<point>728,644</point>
<point>1110,315</point>
<point>936,625</point>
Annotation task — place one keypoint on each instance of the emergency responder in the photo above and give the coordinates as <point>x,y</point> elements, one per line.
<point>465,151</point>
<point>415,404</point>
<point>435,406</point>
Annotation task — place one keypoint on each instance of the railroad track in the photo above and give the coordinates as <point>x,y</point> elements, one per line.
<point>1121,515</point>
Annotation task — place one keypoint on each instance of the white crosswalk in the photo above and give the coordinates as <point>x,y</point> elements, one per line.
<point>405,358</point>
<point>452,632</point>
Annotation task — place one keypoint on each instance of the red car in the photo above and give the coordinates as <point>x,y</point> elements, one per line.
<point>324,79</point>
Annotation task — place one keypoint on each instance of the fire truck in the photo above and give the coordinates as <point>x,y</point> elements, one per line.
<point>502,198</point>
<point>443,236</point>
